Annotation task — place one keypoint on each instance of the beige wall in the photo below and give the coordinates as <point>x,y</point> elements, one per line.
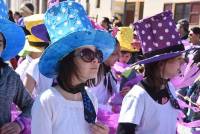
<point>15,5</point>
<point>103,11</point>
<point>152,7</point>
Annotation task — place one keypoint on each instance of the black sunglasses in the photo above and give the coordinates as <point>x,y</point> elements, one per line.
<point>87,55</point>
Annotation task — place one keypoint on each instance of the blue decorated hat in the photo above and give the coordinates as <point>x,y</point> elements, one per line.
<point>70,28</point>
<point>13,34</point>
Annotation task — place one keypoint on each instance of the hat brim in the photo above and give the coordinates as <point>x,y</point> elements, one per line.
<point>164,56</point>
<point>30,48</point>
<point>130,49</point>
<point>15,39</point>
<point>57,51</point>
<point>40,32</point>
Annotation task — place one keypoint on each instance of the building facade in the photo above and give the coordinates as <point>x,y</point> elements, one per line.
<point>40,5</point>
<point>132,10</point>
<point>182,9</point>
<point>128,10</point>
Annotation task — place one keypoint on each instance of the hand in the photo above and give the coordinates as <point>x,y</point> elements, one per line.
<point>99,128</point>
<point>10,128</point>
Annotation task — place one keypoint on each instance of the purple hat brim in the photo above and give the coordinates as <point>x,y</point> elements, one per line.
<point>162,57</point>
<point>40,32</point>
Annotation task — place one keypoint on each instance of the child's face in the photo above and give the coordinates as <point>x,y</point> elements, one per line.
<point>87,69</point>
<point>194,38</point>
<point>114,57</point>
<point>125,57</point>
<point>172,67</point>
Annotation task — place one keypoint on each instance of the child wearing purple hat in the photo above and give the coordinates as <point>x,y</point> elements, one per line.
<point>151,107</point>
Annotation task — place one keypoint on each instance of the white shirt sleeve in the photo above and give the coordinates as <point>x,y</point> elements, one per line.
<point>132,107</point>
<point>33,70</point>
<point>41,117</point>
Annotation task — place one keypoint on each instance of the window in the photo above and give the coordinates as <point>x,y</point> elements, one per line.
<point>129,13</point>
<point>195,13</point>
<point>182,11</point>
<point>189,11</point>
<point>98,3</point>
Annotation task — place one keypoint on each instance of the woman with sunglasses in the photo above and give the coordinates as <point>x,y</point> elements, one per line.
<point>73,58</point>
<point>12,40</point>
<point>150,107</point>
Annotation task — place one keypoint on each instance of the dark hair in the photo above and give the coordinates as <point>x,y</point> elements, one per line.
<point>125,52</point>
<point>196,30</point>
<point>29,6</point>
<point>67,68</point>
<point>17,13</point>
<point>114,18</point>
<point>10,13</point>
<point>106,20</point>
<point>4,40</point>
<point>196,60</point>
<point>153,75</point>
<point>26,31</point>
<point>184,24</point>
<point>117,23</point>
<point>196,57</point>
<point>39,44</point>
<point>2,63</point>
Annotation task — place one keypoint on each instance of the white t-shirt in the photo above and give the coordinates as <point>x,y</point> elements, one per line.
<point>53,114</point>
<point>42,82</point>
<point>150,117</point>
<point>21,69</point>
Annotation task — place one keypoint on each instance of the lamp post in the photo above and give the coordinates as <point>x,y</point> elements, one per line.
<point>124,16</point>
<point>87,6</point>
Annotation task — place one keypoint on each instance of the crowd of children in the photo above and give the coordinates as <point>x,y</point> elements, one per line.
<point>63,72</point>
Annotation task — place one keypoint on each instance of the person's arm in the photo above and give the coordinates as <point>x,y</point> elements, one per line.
<point>32,76</point>
<point>126,128</point>
<point>29,83</point>
<point>24,101</point>
<point>131,111</point>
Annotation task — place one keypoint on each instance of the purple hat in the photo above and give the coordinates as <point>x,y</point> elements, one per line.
<point>159,38</point>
